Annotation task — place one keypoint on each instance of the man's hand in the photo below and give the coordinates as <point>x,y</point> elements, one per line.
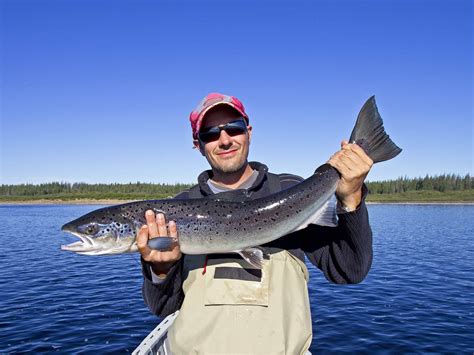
<point>353,164</point>
<point>156,227</point>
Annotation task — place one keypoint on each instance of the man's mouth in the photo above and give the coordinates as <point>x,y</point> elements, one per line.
<point>227,153</point>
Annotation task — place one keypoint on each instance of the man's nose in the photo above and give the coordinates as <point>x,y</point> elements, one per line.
<point>224,138</point>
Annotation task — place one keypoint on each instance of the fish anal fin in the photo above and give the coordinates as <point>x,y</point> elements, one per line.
<point>254,256</point>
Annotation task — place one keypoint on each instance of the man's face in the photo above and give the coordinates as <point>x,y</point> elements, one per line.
<point>228,154</point>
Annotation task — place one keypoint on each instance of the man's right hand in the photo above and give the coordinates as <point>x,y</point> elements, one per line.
<point>161,261</point>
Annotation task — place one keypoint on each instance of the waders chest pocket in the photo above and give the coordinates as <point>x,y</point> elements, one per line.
<point>231,282</point>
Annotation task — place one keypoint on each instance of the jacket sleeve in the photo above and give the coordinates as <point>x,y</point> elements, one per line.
<point>165,297</point>
<point>343,253</point>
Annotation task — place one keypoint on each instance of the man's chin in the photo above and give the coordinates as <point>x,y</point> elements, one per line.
<point>231,167</point>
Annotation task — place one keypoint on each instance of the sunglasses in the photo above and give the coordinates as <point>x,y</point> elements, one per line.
<point>234,128</point>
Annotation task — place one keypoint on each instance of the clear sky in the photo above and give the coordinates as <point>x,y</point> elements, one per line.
<point>100,91</point>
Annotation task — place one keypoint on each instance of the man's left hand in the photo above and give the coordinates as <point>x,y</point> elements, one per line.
<point>353,164</point>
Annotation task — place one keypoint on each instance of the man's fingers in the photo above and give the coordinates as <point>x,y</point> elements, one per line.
<point>361,154</point>
<point>172,229</point>
<point>359,151</point>
<point>142,240</point>
<point>151,223</point>
<point>160,221</point>
<point>357,155</point>
<point>349,164</point>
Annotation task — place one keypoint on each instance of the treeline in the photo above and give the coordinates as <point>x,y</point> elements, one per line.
<point>83,190</point>
<point>440,183</point>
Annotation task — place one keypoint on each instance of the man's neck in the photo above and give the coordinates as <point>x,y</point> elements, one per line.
<point>232,180</point>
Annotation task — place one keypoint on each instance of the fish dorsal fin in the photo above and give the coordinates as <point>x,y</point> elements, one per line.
<point>324,216</point>
<point>254,256</point>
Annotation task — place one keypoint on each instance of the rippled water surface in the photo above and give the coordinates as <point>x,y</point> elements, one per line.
<point>417,298</point>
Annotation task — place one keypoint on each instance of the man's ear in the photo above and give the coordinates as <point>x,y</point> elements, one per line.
<point>249,131</point>
<point>199,146</point>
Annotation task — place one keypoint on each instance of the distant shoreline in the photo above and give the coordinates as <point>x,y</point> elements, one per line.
<point>66,202</point>
<point>117,202</point>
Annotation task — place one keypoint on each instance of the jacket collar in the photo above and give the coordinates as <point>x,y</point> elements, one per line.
<point>262,170</point>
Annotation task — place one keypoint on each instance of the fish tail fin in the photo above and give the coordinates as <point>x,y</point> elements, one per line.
<point>370,134</point>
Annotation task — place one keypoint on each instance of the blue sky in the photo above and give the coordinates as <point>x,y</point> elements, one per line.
<point>100,91</point>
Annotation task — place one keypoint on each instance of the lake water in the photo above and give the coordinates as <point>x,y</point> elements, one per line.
<point>417,298</point>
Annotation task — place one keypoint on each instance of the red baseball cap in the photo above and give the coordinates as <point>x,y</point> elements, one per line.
<point>210,101</point>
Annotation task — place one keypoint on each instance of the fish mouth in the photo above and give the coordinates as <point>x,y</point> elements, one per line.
<point>85,243</point>
<point>88,246</point>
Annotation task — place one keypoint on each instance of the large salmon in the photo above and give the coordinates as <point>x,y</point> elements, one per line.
<point>216,225</point>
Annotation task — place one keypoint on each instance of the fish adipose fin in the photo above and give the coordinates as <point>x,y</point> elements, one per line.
<point>162,243</point>
<point>254,256</point>
<point>370,134</point>
<point>324,216</point>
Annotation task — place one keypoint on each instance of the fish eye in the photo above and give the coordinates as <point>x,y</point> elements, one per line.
<point>91,229</point>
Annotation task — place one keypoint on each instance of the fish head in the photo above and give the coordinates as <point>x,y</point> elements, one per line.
<point>101,232</point>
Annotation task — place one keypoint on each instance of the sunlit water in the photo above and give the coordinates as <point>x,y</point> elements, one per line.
<point>417,298</point>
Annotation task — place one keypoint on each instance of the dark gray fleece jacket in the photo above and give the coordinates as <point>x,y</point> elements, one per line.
<point>342,253</point>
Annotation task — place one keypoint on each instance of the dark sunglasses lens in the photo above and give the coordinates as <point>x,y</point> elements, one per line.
<point>210,136</point>
<point>232,129</point>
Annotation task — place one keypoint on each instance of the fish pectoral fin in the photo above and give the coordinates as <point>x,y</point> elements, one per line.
<point>254,256</point>
<point>162,243</point>
<point>325,216</point>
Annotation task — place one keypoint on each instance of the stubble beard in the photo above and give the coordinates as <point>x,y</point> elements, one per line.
<point>232,166</point>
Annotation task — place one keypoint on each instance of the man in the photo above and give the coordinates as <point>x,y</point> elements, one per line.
<point>227,306</point>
